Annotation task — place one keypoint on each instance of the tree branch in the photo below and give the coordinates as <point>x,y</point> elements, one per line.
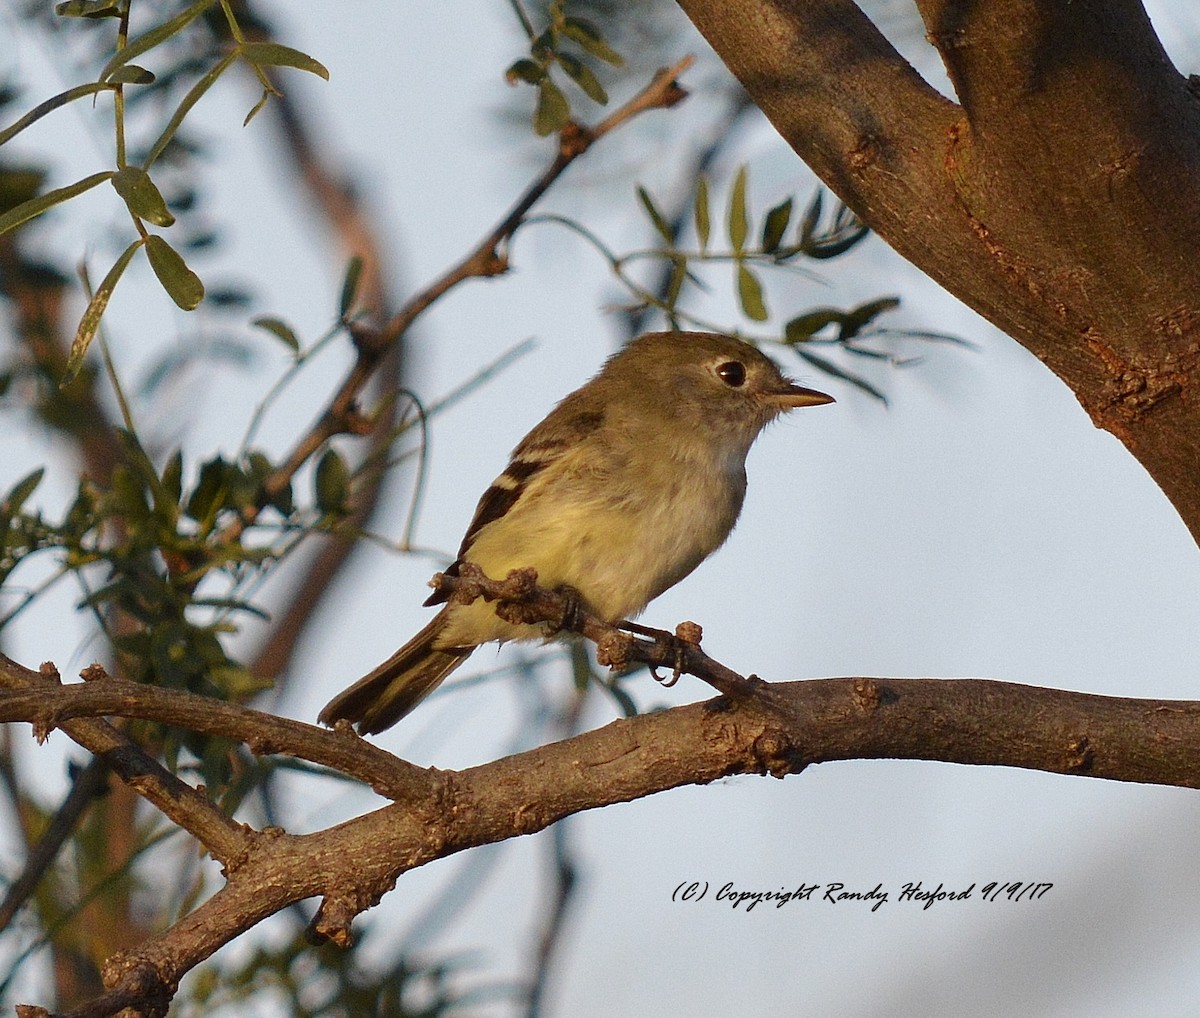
<point>967,720</point>
<point>189,808</point>
<point>758,728</point>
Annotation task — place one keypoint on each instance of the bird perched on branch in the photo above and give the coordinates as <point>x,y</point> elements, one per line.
<point>627,485</point>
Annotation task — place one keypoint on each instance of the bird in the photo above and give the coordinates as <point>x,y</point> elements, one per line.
<point>624,488</point>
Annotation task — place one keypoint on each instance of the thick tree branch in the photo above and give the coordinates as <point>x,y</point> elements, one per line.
<point>974,721</point>
<point>758,728</point>
<point>1058,200</point>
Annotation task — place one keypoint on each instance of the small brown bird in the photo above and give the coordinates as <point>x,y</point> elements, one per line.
<point>627,485</point>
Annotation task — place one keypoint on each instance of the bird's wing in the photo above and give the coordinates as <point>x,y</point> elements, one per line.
<point>565,427</point>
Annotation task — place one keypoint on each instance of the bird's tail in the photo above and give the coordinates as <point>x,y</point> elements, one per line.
<point>383,696</point>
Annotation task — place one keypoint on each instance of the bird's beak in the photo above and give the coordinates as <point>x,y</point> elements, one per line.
<point>797,396</point>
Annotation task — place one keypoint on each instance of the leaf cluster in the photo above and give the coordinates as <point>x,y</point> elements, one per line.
<point>328,982</point>
<point>168,567</point>
<point>133,182</point>
<point>566,42</point>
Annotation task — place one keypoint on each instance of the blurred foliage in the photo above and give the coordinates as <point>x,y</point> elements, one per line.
<point>329,982</point>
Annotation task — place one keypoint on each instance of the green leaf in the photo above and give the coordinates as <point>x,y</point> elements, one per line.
<point>205,500</point>
<point>36,206</point>
<point>90,321</point>
<point>51,104</point>
<point>854,320</point>
<point>280,329</point>
<point>525,70</point>
<point>273,54</point>
<point>20,492</point>
<point>257,107</point>
<point>656,217</point>
<point>148,40</point>
<point>776,223</point>
<point>180,282</point>
<point>803,327</point>
<point>582,75</point>
<point>172,477</point>
<point>750,294</point>
<point>553,112</point>
<point>544,48</point>
<point>132,74</point>
<point>701,214</point>
<point>139,192</point>
<point>88,9</point>
<point>587,35</point>
<point>350,284</point>
<point>738,223</point>
<point>142,469</point>
<point>332,482</point>
<point>844,242</point>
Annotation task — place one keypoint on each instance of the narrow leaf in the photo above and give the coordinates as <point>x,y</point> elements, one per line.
<point>148,40</point>
<point>750,294</point>
<point>776,223</point>
<point>553,111</point>
<point>656,217</point>
<point>525,70</point>
<point>36,206</point>
<point>703,221</point>
<point>88,9</point>
<point>172,477</point>
<point>132,74</point>
<point>822,249</point>
<point>587,35</point>
<point>803,327</point>
<point>51,104</point>
<point>350,283</point>
<point>582,75</point>
<point>280,329</point>
<point>738,222</point>
<point>257,107</point>
<point>273,54</point>
<point>90,321</point>
<point>19,492</point>
<point>332,482</point>
<point>144,199</point>
<point>180,282</point>
<point>207,497</point>
<point>675,283</point>
<point>857,318</point>
<point>544,47</point>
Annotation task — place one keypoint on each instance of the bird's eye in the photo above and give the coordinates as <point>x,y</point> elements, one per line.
<point>732,373</point>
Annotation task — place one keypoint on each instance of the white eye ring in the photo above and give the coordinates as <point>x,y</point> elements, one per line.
<point>732,373</point>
